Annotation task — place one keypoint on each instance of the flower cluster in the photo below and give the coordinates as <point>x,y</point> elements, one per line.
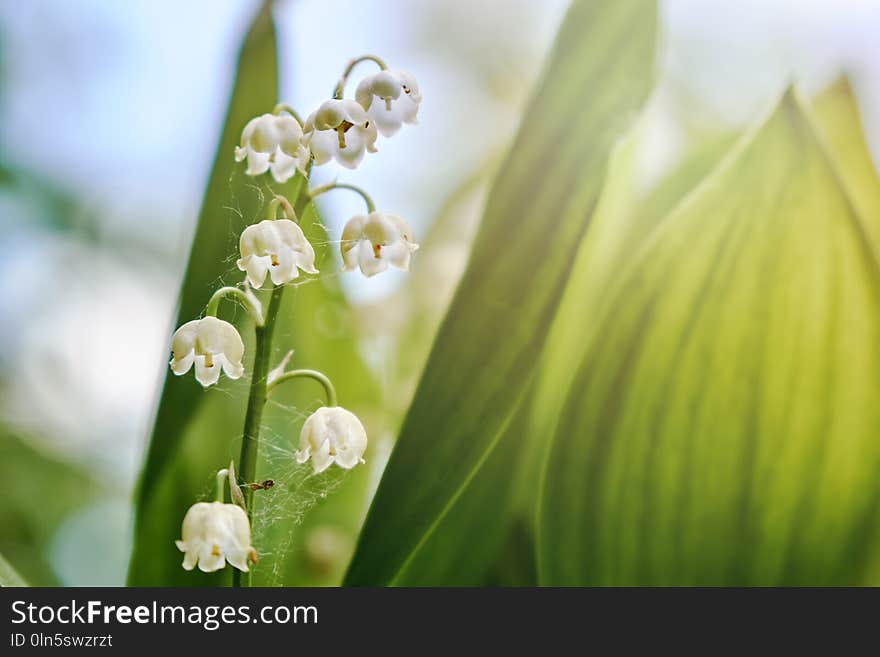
<point>340,129</point>
<point>273,253</point>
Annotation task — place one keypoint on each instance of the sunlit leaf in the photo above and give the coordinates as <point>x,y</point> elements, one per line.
<point>484,355</point>
<point>722,427</point>
<point>625,218</point>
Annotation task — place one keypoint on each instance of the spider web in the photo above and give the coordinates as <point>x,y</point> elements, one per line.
<point>278,512</point>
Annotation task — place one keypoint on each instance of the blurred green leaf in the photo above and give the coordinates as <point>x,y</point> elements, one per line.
<point>8,575</point>
<point>29,516</point>
<point>598,76</point>
<point>722,426</point>
<point>198,431</point>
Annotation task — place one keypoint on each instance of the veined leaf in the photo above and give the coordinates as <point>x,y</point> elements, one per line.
<point>722,428</point>
<point>598,76</point>
<point>625,219</point>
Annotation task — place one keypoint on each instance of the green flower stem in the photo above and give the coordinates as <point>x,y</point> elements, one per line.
<point>222,480</point>
<point>241,296</point>
<point>250,438</point>
<point>337,93</point>
<point>284,107</point>
<point>317,191</point>
<point>281,202</point>
<point>321,378</point>
<point>272,212</point>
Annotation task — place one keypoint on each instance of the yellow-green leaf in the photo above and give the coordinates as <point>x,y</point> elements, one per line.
<point>722,427</point>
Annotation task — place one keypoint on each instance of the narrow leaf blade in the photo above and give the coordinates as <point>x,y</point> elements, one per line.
<point>598,76</point>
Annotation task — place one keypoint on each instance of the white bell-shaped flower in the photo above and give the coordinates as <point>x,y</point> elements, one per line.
<point>340,130</point>
<point>211,344</point>
<point>213,534</point>
<point>273,143</point>
<point>332,435</point>
<point>375,241</point>
<point>278,247</point>
<point>391,99</point>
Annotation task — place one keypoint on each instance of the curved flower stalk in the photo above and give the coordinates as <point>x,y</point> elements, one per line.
<point>376,241</point>
<point>329,435</point>
<point>210,344</point>
<point>391,99</point>
<point>341,130</point>
<point>277,247</point>
<point>272,142</point>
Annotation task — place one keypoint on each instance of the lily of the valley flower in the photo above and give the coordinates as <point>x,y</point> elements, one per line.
<point>375,241</point>
<point>213,534</point>
<point>211,344</point>
<point>273,142</point>
<point>278,247</point>
<point>332,435</point>
<point>391,98</point>
<point>342,130</point>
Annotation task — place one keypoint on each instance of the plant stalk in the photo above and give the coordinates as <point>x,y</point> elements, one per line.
<point>250,437</point>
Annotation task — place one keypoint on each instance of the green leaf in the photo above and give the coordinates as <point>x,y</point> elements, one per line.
<point>8,575</point>
<point>722,427</point>
<point>625,218</point>
<point>598,76</point>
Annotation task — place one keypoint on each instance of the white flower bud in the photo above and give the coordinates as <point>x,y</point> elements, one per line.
<point>214,534</point>
<point>375,241</point>
<point>278,247</point>
<point>211,344</point>
<point>340,130</point>
<point>273,142</point>
<point>332,435</point>
<point>391,98</point>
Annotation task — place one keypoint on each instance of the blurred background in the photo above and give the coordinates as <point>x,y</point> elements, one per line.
<point>109,117</point>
